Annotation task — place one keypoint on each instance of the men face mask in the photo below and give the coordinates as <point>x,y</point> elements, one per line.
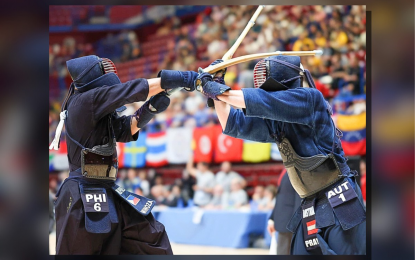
<point>280,73</point>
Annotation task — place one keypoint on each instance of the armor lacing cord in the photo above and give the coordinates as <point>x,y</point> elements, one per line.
<point>55,143</point>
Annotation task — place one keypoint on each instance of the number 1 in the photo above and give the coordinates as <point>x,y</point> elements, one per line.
<point>341,196</point>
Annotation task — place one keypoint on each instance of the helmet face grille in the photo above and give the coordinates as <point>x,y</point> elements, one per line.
<point>260,73</point>
<point>108,66</point>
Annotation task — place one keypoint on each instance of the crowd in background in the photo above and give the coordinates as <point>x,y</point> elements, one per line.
<point>199,186</point>
<point>339,31</point>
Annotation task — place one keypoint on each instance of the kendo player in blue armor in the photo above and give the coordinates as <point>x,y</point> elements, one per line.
<point>286,108</point>
<point>93,214</point>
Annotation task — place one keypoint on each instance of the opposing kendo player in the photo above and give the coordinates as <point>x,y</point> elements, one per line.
<point>286,108</point>
<point>93,214</point>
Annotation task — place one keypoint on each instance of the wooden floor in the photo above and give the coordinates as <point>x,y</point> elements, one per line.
<point>182,249</point>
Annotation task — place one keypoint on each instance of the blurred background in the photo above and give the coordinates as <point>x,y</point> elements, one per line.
<point>229,213</point>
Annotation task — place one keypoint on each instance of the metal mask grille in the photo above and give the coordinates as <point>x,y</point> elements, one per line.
<point>108,66</point>
<point>260,73</point>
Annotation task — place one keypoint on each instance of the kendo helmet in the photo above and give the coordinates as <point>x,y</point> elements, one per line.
<point>281,73</point>
<point>90,72</point>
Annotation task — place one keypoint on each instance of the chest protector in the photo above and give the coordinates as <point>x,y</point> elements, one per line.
<point>100,161</point>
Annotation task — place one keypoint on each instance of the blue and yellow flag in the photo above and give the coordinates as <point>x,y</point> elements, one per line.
<point>135,152</point>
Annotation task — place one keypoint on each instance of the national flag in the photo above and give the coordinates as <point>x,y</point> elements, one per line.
<point>134,153</point>
<point>354,148</point>
<point>255,152</point>
<point>275,152</point>
<point>351,122</point>
<point>156,149</point>
<point>179,144</point>
<point>311,227</point>
<point>58,160</point>
<point>133,200</point>
<point>227,148</point>
<point>354,133</point>
<point>203,142</point>
<point>120,154</point>
<point>354,136</point>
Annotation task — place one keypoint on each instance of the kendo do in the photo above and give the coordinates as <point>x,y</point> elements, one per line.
<point>285,107</point>
<point>93,214</point>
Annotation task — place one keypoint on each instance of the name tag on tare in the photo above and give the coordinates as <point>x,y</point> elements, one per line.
<point>341,194</point>
<point>95,201</point>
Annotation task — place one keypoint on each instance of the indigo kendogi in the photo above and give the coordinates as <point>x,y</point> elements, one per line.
<point>93,214</point>
<point>286,108</point>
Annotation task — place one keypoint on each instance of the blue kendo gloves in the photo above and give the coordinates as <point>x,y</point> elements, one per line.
<point>212,87</point>
<point>219,77</point>
<point>171,79</point>
<point>148,110</point>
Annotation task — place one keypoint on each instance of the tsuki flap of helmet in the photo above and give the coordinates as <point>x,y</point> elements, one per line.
<point>272,85</point>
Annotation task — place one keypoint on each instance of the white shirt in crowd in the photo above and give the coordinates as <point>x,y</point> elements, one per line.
<point>225,179</point>
<point>203,180</point>
<point>238,198</point>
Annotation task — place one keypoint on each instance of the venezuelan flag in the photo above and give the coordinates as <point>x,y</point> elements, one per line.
<point>354,133</point>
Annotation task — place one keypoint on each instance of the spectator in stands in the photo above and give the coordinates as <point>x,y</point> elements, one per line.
<point>187,182</point>
<point>353,75</point>
<point>238,196</point>
<point>53,186</point>
<point>205,181</point>
<point>246,76</point>
<point>157,193</point>
<point>138,190</point>
<point>268,201</point>
<point>219,199</point>
<point>131,180</point>
<point>258,193</point>
<point>193,102</point>
<point>226,176</point>
<point>174,197</point>
<point>156,180</point>
<point>144,184</point>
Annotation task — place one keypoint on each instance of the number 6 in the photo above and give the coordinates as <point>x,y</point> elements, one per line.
<point>97,207</point>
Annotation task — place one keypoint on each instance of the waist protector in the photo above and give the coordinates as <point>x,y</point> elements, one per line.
<point>309,175</point>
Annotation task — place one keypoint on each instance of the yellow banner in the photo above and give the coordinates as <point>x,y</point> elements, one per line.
<point>351,122</point>
<point>254,152</point>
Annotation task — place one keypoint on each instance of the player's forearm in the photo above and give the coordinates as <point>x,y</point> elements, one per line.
<point>222,110</point>
<point>234,98</point>
<point>154,87</point>
<point>134,128</point>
